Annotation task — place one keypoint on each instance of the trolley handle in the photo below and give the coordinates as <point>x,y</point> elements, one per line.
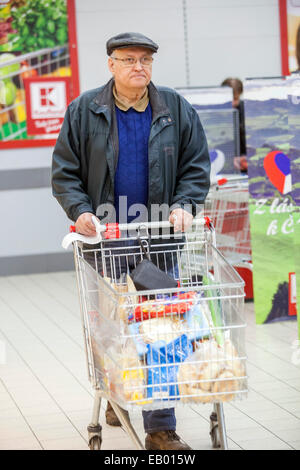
<point>113,231</point>
<point>203,221</point>
<point>231,180</point>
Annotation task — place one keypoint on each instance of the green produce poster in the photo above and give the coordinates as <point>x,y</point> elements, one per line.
<point>29,25</point>
<point>34,43</point>
<point>272,179</point>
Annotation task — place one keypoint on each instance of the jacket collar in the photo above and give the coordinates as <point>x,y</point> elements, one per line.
<point>104,101</point>
<point>105,95</point>
<point>158,105</point>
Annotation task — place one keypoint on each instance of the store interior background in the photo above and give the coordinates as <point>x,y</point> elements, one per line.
<point>201,42</point>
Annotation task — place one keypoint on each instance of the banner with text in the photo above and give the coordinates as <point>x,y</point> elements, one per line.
<point>271,204</point>
<point>293,86</point>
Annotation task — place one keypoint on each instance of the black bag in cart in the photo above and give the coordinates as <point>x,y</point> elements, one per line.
<point>147,276</point>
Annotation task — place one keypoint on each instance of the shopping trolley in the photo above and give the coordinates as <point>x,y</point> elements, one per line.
<point>228,207</point>
<point>162,348</point>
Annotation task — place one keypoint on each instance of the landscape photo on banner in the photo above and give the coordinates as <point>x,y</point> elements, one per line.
<point>220,122</point>
<point>272,181</point>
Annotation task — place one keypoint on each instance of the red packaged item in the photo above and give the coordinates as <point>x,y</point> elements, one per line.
<point>148,309</point>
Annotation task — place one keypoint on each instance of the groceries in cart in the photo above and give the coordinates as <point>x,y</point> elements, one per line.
<point>164,361</point>
<point>165,328</point>
<point>164,305</point>
<point>114,305</point>
<point>125,374</point>
<point>210,373</point>
<point>176,348</point>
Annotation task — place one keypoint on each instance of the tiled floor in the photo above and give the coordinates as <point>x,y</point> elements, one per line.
<point>46,400</point>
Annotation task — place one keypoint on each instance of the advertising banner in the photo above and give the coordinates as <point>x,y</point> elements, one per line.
<point>289,12</point>
<point>271,181</point>
<point>37,43</point>
<point>220,123</point>
<point>293,86</point>
<point>215,97</point>
<point>46,103</point>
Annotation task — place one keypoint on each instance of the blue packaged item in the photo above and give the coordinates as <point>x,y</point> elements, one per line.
<point>198,324</point>
<point>141,347</point>
<point>197,327</point>
<point>161,375</point>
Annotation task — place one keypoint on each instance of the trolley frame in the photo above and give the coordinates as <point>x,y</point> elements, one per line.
<point>218,429</point>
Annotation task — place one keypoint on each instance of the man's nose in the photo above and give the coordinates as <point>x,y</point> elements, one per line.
<point>138,65</point>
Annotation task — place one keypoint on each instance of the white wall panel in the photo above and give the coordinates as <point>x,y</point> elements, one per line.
<point>32,222</point>
<point>225,37</point>
<point>162,21</point>
<point>232,38</point>
<point>25,158</point>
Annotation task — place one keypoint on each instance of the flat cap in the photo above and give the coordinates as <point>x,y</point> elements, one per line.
<point>124,40</point>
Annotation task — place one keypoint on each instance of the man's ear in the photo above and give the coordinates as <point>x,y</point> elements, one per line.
<point>111,65</point>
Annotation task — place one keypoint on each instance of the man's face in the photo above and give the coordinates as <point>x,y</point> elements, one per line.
<point>134,76</point>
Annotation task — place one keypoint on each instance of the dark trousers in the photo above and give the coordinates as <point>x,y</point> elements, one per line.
<point>157,420</point>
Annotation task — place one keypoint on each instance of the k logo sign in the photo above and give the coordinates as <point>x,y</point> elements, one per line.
<point>278,169</point>
<point>46,103</point>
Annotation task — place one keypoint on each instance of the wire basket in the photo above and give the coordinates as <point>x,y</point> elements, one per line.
<point>228,207</point>
<point>160,348</point>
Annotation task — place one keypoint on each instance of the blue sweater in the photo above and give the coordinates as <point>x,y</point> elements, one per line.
<point>131,177</point>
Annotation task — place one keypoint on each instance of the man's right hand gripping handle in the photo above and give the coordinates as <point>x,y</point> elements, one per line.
<point>85,225</point>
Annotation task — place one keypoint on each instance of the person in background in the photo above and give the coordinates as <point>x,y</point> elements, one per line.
<point>132,139</point>
<point>236,84</point>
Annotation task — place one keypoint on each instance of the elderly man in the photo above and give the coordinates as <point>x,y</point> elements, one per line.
<point>130,138</point>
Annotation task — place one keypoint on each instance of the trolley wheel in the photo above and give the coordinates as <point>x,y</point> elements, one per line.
<point>95,443</point>
<point>95,436</point>
<point>214,431</point>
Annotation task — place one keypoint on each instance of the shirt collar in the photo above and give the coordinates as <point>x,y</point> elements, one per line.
<point>140,106</point>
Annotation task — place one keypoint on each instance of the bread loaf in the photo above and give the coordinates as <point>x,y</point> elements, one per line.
<point>188,373</point>
<point>210,373</point>
<point>232,359</point>
<point>225,383</point>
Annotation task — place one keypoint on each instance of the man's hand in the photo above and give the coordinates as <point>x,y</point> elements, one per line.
<point>85,225</point>
<point>181,219</point>
<point>241,163</point>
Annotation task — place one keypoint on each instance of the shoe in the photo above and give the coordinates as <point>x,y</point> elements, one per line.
<point>111,417</point>
<point>165,440</point>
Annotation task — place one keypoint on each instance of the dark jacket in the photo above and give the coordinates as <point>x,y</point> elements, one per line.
<point>86,152</point>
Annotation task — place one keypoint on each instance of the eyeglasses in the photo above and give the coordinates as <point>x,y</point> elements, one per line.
<point>131,61</point>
